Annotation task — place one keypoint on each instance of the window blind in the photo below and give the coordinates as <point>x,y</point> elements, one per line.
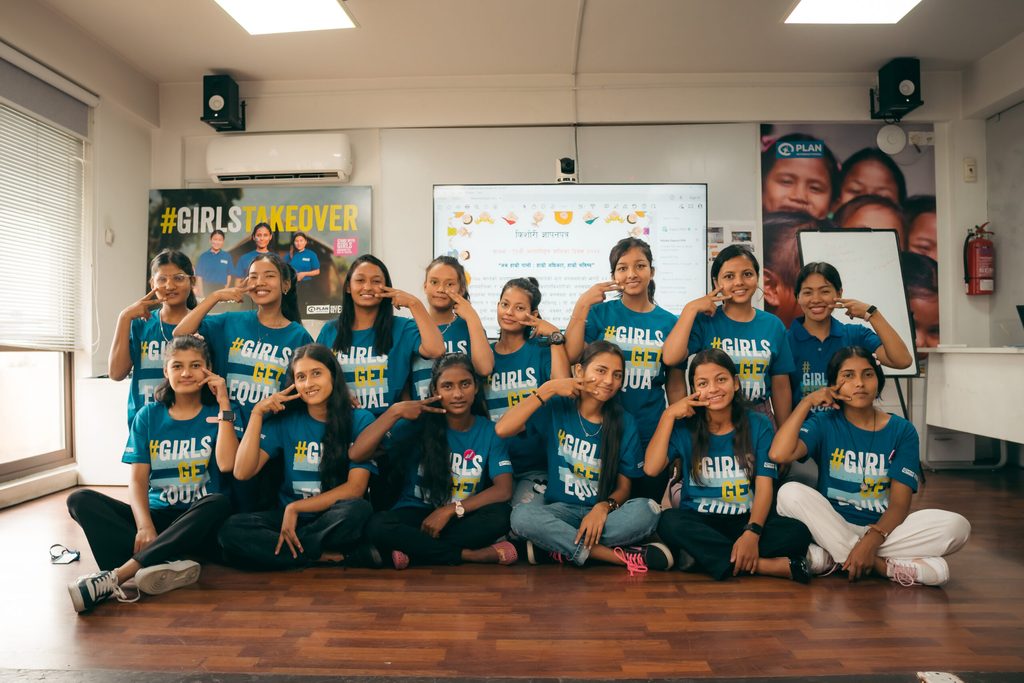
<point>41,198</point>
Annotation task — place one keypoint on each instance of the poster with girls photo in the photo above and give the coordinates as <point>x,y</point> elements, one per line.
<point>318,230</point>
<point>835,176</point>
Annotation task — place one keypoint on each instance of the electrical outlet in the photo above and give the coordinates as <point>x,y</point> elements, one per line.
<point>921,138</point>
<point>970,170</point>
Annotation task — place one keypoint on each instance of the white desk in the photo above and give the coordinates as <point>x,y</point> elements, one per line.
<point>977,391</point>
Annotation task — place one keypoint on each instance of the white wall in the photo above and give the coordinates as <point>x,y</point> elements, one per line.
<point>1005,139</point>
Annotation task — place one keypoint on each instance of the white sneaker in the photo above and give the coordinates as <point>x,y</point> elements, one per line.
<point>161,578</point>
<point>88,591</point>
<point>924,571</point>
<point>819,561</point>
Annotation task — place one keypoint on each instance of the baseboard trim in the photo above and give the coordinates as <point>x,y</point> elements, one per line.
<point>38,485</point>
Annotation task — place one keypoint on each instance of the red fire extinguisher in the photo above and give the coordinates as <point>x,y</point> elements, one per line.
<point>979,261</point>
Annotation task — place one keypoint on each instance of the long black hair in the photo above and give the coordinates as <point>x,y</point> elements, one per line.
<point>436,454</point>
<point>289,298</point>
<point>186,342</point>
<point>611,422</point>
<point>383,324</point>
<point>531,287</point>
<point>334,462</point>
<point>173,257</point>
<point>700,434</point>
<point>620,249</point>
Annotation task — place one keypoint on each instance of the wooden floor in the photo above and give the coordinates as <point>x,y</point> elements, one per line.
<point>521,621</point>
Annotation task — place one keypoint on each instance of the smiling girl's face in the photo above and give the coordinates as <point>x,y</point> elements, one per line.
<point>715,384</point>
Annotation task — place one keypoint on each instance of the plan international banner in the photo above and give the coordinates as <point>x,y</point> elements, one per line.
<point>335,222</point>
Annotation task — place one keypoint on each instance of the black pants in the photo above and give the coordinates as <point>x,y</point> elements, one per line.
<point>110,529</point>
<point>249,539</point>
<point>400,530</point>
<point>710,538</point>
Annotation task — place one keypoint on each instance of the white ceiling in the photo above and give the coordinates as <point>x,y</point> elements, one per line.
<point>180,40</point>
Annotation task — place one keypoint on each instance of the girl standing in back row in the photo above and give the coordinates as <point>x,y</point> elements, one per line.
<point>726,319</point>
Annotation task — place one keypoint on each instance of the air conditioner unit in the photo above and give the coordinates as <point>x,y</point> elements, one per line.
<point>276,158</point>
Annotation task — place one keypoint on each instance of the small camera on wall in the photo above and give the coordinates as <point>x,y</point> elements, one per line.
<point>565,170</point>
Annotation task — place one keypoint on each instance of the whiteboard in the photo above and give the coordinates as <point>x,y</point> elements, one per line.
<point>868,262</point>
<point>562,234</point>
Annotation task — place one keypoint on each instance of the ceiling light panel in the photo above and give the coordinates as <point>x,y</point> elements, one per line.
<point>850,11</point>
<point>262,17</point>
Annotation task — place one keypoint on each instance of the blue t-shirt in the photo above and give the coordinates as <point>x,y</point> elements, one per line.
<point>303,262</point>
<point>299,439</point>
<point>180,453</point>
<point>640,336</point>
<point>516,376</point>
<point>377,380</point>
<point>456,340</point>
<point>759,348</point>
<point>251,357</point>
<point>244,261</point>
<point>724,487</point>
<point>856,467</point>
<point>477,457</point>
<point>214,267</point>
<point>573,447</point>
<point>811,355</point>
<point>147,342</point>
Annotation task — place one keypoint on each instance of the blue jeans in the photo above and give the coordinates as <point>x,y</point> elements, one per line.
<point>554,526</point>
<point>526,485</point>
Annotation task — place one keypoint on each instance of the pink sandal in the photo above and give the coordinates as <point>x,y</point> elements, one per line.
<point>506,553</point>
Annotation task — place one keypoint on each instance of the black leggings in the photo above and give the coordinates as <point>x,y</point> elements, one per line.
<point>709,538</point>
<point>249,538</point>
<point>400,530</point>
<point>109,526</point>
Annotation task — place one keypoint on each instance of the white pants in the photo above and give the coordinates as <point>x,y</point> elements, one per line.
<point>925,533</point>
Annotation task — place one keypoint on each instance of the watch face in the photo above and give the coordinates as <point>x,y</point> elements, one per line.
<point>557,338</point>
<point>227,415</point>
<point>216,103</point>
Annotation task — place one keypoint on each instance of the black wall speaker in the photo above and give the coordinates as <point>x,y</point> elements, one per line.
<point>899,89</point>
<point>222,108</point>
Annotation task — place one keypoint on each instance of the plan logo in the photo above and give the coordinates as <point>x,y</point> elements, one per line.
<point>800,149</point>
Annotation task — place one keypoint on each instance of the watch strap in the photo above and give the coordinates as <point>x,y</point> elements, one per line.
<point>755,527</point>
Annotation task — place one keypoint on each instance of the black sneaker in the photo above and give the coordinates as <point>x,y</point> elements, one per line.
<point>90,590</point>
<point>800,569</point>
<point>363,555</point>
<point>657,556</point>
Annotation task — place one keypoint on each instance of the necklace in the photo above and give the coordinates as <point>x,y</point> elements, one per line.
<point>160,324</point>
<point>448,324</point>
<point>588,434</point>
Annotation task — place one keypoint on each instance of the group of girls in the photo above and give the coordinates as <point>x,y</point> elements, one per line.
<point>397,441</point>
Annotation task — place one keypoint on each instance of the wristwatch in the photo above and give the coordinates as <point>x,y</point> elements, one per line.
<point>460,511</point>
<point>870,312</point>
<point>613,504</point>
<point>755,527</point>
<point>553,339</point>
<point>226,416</point>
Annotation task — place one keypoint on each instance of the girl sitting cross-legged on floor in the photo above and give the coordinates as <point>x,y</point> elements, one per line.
<point>177,447</point>
<point>869,468</point>
<point>456,477</point>
<point>723,520</point>
<point>322,512</point>
<point>593,453</point>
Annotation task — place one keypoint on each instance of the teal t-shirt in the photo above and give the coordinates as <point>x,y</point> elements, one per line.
<point>759,348</point>
<point>516,376</point>
<point>573,447</point>
<point>641,337</point>
<point>180,453</point>
<point>478,455</point>
<point>147,342</point>
<point>298,438</point>
<point>456,340</point>
<point>724,487</point>
<point>376,378</point>
<point>856,467</point>
<point>251,357</point>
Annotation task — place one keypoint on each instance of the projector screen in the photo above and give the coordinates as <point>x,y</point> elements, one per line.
<point>561,235</point>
